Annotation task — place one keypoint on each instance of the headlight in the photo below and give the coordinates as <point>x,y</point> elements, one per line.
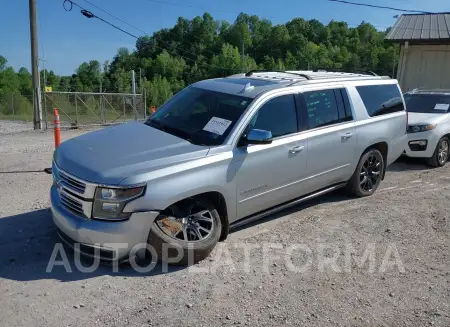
<point>420,128</point>
<point>109,202</point>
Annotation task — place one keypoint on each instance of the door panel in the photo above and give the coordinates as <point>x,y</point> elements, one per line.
<point>330,151</point>
<point>332,137</point>
<point>268,175</point>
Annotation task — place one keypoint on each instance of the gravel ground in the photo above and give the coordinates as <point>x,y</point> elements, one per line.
<point>406,223</point>
<point>8,126</point>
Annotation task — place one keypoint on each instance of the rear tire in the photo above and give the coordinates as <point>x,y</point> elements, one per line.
<point>440,155</point>
<point>367,175</point>
<point>178,216</point>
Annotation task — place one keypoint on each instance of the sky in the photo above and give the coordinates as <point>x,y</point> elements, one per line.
<point>67,38</point>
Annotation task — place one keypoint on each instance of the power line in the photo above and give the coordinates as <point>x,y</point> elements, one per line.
<point>144,32</point>
<point>113,16</point>
<point>89,14</point>
<point>380,7</point>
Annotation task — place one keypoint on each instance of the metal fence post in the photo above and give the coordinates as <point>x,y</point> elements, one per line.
<point>145,104</point>
<point>12,107</point>
<point>76,109</point>
<point>45,110</point>
<point>102,114</point>
<point>123,100</point>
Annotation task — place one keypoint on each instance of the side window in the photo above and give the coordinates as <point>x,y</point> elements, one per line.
<point>277,115</point>
<point>381,99</point>
<point>321,108</point>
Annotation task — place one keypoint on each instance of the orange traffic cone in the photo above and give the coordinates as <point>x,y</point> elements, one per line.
<point>57,128</point>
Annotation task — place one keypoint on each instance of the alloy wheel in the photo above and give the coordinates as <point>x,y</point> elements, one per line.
<point>194,223</point>
<point>443,152</point>
<point>370,173</point>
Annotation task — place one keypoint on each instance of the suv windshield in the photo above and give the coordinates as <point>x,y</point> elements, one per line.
<point>427,103</point>
<point>200,116</point>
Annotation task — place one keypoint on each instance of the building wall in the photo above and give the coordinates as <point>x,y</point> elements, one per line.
<point>424,66</point>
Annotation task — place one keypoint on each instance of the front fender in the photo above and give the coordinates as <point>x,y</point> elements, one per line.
<point>170,185</point>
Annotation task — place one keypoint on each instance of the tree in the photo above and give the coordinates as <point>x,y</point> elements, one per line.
<point>159,90</point>
<point>3,63</point>
<point>202,47</point>
<point>228,62</point>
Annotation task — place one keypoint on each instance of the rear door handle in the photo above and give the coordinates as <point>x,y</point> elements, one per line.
<point>347,136</point>
<point>297,149</point>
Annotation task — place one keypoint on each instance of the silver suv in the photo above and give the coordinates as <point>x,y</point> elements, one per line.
<point>221,153</point>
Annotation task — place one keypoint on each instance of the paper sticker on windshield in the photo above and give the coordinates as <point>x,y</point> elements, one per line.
<point>217,125</point>
<point>441,106</point>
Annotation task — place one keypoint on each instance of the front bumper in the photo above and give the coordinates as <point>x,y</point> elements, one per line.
<point>110,240</point>
<point>428,136</point>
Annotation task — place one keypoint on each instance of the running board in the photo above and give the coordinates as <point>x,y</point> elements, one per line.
<point>283,206</point>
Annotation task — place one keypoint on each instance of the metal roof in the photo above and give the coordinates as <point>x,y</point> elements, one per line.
<point>418,27</point>
<point>258,82</point>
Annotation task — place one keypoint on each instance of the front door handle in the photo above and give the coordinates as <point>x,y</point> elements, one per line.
<point>297,149</point>
<point>347,136</point>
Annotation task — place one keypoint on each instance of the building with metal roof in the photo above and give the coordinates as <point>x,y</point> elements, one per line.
<point>425,50</point>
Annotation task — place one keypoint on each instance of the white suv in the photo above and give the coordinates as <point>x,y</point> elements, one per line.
<point>429,125</point>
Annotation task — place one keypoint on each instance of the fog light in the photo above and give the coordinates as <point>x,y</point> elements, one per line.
<point>418,145</point>
<point>418,142</point>
<point>110,207</point>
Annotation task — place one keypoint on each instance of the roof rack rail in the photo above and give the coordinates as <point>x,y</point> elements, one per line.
<point>250,73</point>
<point>339,70</point>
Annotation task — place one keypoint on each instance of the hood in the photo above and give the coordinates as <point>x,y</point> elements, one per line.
<point>109,155</point>
<point>419,118</point>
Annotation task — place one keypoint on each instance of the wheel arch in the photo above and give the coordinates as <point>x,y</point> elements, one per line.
<point>446,135</point>
<point>383,147</point>
<point>219,202</point>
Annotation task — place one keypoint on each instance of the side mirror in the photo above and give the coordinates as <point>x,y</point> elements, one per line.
<point>257,136</point>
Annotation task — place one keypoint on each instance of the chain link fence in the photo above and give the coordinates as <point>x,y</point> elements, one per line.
<point>16,106</point>
<point>76,108</point>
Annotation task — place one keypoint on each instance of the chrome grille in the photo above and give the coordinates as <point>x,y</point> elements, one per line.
<point>72,204</point>
<point>71,183</point>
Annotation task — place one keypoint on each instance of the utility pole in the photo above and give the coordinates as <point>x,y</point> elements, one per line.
<point>37,113</point>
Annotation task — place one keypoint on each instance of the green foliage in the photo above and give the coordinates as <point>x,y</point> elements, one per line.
<point>201,48</point>
<point>159,90</point>
<point>228,62</point>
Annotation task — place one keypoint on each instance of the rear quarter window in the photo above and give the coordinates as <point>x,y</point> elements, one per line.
<point>381,99</point>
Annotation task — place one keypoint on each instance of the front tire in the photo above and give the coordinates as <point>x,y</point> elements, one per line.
<point>191,228</point>
<point>440,155</point>
<point>367,176</point>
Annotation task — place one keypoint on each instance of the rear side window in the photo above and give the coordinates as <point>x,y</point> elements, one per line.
<point>381,99</point>
<point>321,108</point>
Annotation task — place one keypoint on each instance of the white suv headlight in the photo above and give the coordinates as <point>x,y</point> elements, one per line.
<point>109,202</point>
